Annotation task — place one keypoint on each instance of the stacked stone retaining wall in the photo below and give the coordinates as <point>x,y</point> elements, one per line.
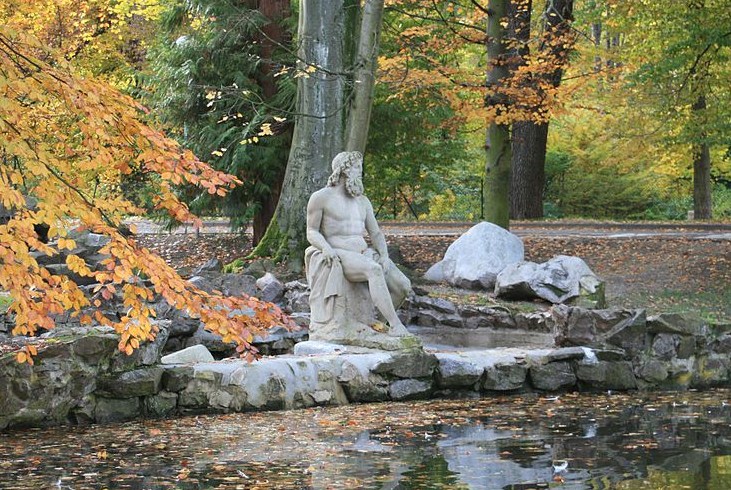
<point>80,378</point>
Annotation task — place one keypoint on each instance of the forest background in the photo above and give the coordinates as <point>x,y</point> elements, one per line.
<point>622,126</point>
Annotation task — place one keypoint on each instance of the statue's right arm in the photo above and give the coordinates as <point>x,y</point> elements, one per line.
<point>314,219</point>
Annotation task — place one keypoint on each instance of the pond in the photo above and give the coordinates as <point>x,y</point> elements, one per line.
<point>572,441</point>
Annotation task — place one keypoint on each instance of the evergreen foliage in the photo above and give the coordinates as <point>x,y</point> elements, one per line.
<point>208,88</point>
<point>414,153</point>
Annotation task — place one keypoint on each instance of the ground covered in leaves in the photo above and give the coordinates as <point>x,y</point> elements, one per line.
<point>663,273</point>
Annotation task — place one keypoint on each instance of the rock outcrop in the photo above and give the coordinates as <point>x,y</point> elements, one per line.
<point>562,279</point>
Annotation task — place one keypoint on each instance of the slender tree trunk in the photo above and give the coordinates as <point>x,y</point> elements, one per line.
<point>365,76</point>
<point>497,141</point>
<point>261,220</point>
<point>273,35</point>
<point>326,32</point>
<point>702,202</point>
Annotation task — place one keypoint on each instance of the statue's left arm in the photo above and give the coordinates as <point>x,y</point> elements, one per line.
<point>378,239</point>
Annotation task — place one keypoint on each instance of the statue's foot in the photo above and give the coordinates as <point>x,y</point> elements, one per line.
<point>398,330</point>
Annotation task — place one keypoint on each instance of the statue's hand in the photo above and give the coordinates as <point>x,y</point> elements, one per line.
<point>383,261</point>
<point>330,256</point>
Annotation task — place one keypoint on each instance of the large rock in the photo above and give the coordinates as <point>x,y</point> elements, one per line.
<point>505,377</point>
<point>605,375</point>
<point>148,353</point>
<point>211,265</point>
<point>677,323</point>
<point>409,364</point>
<point>130,384</point>
<point>476,258</point>
<point>237,284</point>
<point>559,280</point>
<point>552,376</point>
<point>456,371</point>
<point>609,328</point>
<point>116,409</point>
<point>358,380</point>
<point>271,289</point>
<point>297,297</point>
<point>409,389</point>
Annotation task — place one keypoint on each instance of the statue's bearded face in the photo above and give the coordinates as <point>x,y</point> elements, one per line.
<point>348,167</point>
<point>354,180</point>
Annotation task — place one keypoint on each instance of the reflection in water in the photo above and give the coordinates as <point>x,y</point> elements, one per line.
<point>625,442</point>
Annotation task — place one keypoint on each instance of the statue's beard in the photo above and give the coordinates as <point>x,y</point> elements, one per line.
<point>354,186</point>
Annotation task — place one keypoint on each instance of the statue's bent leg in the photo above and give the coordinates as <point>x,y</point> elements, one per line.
<point>398,284</point>
<point>358,268</point>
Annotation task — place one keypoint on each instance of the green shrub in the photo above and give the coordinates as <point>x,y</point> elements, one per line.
<point>602,192</point>
<point>721,202</point>
<point>669,209</point>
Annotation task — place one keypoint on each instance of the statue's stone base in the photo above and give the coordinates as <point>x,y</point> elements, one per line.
<point>358,334</point>
<point>318,348</point>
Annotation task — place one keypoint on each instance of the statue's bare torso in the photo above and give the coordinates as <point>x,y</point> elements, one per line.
<point>343,219</point>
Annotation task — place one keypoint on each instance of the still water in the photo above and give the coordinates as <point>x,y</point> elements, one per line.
<point>574,441</point>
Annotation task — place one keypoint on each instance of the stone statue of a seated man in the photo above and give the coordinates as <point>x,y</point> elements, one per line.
<point>347,278</point>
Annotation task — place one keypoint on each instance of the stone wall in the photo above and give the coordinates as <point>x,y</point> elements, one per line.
<point>80,378</point>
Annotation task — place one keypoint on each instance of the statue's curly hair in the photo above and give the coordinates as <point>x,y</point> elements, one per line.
<point>343,161</point>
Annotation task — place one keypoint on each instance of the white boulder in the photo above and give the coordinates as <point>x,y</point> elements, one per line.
<point>476,258</point>
<point>190,355</point>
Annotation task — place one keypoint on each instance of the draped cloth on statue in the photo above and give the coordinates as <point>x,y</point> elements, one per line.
<point>326,282</point>
<point>334,300</point>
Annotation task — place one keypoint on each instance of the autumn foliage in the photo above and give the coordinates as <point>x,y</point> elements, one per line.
<point>442,48</point>
<point>67,141</point>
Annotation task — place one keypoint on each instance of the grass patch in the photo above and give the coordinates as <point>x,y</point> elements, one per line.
<point>712,306</point>
<point>5,302</point>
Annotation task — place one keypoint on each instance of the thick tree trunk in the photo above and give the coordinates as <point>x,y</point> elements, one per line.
<point>497,142</point>
<point>325,30</point>
<point>529,137</point>
<point>525,145</point>
<point>365,76</point>
<point>702,203</point>
<point>528,177</point>
<point>273,35</point>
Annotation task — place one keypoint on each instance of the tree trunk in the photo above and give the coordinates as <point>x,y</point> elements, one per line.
<point>530,138</point>
<point>273,35</point>
<point>702,202</point>
<point>497,142</point>
<point>325,34</point>
<point>528,177</point>
<point>365,76</point>
<point>261,220</point>
<point>497,174</point>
